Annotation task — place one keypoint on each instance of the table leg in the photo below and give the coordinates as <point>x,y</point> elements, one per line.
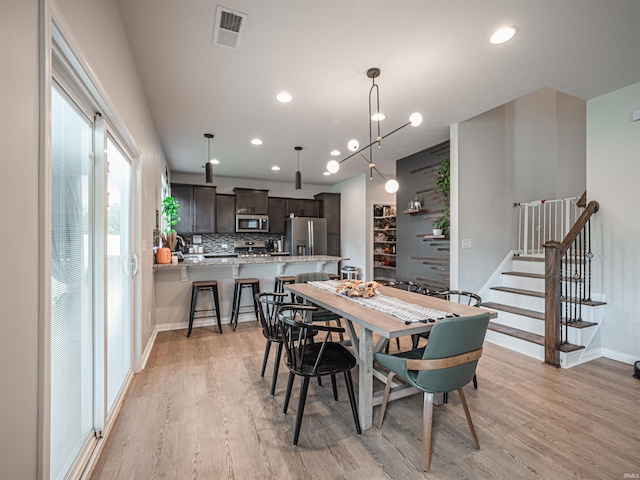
<point>365,377</point>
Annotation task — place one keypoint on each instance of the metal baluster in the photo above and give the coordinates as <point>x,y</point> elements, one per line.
<point>565,288</point>
<point>589,257</point>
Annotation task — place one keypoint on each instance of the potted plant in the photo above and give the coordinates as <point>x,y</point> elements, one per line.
<point>170,215</point>
<point>443,185</point>
<point>441,224</point>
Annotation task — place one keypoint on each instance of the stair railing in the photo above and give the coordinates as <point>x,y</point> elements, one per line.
<point>567,282</point>
<point>542,221</point>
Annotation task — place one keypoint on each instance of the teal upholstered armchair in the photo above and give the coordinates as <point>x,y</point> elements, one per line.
<point>448,362</point>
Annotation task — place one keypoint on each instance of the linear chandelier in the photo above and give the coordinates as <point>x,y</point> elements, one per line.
<point>415,119</point>
<point>209,165</point>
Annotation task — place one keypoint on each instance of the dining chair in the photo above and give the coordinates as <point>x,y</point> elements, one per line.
<point>268,303</point>
<point>409,287</point>
<point>321,314</point>
<point>448,362</point>
<point>308,358</point>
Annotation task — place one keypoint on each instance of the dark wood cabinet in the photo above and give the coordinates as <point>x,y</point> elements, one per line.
<point>197,208</point>
<point>330,209</point>
<point>333,244</point>
<point>249,201</point>
<point>277,215</point>
<point>184,196</point>
<point>302,207</point>
<point>225,214</point>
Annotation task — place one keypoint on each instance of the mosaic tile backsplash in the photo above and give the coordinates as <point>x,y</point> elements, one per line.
<point>213,243</point>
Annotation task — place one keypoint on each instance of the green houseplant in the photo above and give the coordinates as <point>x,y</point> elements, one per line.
<point>443,185</point>
<point>170,215</point>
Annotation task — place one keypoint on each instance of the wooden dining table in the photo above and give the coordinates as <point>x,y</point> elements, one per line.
<point>370,321</point>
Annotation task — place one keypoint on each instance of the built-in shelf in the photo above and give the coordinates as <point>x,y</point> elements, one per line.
<point>414,212</point>
<point>383,229</point>
<point>383,272</point>
<point>385,241</point>
<point>384,216</point>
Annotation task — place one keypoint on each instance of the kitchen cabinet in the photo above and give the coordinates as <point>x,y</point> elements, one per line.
<point>225,214</point>
<point>302,207</point>
<point>329,204</point>
<point>277,214</point>
<point>249,201</point>
<point>333,244</point>
<point>384,242</point>
<point>197,208</point>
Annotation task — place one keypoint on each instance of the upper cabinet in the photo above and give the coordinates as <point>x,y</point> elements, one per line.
<point>301,207</point>
<point>197,208</point>
<point>225,214</point>
<point>249,201</point>
<point>277,214</point>
<point>330,209</point>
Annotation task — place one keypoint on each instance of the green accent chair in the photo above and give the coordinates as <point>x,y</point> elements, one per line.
<point>448,362</point>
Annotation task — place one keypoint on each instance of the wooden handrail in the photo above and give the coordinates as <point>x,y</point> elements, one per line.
<point>590,209</point>
<point>582,201</point>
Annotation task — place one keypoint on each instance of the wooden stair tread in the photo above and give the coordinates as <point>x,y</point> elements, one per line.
<point>531,293</point>
<point>530,258</point>
<point>529,337</point>
<point>539,276</point>
<point>533,314</point>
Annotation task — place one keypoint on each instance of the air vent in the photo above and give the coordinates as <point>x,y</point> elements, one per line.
<point>229,27</point>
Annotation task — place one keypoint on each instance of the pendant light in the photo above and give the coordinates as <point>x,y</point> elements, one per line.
<point>209,165</point>
<point>298,174</point>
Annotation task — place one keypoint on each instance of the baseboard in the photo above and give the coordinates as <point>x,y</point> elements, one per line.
<point>148,348</point>
<point>205,322</point>
<point>619,356</point>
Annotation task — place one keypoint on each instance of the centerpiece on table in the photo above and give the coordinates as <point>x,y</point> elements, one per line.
<point>358,289</point>
<point>169,236</point>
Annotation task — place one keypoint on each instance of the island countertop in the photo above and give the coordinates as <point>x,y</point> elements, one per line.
<point>227,261</point>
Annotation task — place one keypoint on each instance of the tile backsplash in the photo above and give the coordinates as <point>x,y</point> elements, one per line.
<point>213,243</point>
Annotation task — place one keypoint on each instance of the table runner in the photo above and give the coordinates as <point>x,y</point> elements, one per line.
<point>408,312</point>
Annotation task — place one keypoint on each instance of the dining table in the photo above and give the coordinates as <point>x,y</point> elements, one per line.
<point>362,323</point>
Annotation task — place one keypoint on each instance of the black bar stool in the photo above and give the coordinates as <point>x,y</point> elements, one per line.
<point>205,285</point>
<point>281,282</point>
<point>241,283</point>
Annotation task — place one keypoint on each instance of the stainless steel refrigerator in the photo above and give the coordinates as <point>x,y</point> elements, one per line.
<point>306,236</point>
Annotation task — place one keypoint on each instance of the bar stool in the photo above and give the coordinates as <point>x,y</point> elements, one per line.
<point>201,286</point>
<point>349,273</point>
<point>281,282</point>
<point>241,283</point>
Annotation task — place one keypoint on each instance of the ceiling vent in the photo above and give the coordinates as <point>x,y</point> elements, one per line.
<point>229,27</point>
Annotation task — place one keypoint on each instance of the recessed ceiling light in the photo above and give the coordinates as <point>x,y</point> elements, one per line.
<point>284,97</point>
<point>256,141</point>
<point>215,161</point>
<point>503,34</point>
<point>327,173</point>
<point>275,167</point>
<point>335,153</point>
<point>376,117</point>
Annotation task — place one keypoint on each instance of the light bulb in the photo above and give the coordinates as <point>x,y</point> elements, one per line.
<point>353,145</point>
<point>376,117</point>
<point>503,34</point>
<point>415,119</point>
<point>391,186</point>
<point>333,166</point>
<point>284,97</point>
<point>215,161</point>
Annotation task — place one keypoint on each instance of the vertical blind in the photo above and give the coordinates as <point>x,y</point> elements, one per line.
<point>72,384</point>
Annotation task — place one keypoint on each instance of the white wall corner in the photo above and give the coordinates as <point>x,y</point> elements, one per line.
<point>454,235</point>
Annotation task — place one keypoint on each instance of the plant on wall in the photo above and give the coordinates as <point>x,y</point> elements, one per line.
<point>443,185</point>
<point>170,216</point>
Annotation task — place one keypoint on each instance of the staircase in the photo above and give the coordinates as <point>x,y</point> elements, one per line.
<point>517,293</point>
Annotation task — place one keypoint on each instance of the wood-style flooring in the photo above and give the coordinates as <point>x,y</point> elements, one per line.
<point>201,411</point>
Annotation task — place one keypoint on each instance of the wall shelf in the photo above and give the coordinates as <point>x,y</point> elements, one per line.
<point>414,212</point>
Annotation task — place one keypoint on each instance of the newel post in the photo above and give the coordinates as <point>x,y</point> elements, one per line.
<point>552,306</point>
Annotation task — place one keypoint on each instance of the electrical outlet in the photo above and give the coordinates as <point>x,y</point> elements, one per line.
<point>466,243</point>
<point>224,245</point>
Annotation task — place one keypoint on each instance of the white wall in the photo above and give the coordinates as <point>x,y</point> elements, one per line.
<point>353,214</point>
<point>276,189</point>
<point>99,30</point>
<point>19,297</point>
<point>613,180</point>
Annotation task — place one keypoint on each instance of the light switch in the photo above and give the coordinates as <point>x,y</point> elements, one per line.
<point>466,243</point>
<point>144,246</point>
<point>359,242</point>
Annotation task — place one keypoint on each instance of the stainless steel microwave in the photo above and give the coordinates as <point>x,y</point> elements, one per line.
<point>252,223</point>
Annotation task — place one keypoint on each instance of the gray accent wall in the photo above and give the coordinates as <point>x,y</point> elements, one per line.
<point>418,259</point>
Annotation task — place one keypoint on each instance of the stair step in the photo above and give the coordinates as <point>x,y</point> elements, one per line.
<point>539,276</point>
<point>533,314</point>
<point>531,293</point>
<point>528,258</point>
<point>529,337</point>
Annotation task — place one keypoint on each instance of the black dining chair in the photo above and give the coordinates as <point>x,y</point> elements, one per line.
<point>458,296</point>
<point>409,287</point>
<point>308,358</point>
<point>321,314</point>
<point>268,303</point>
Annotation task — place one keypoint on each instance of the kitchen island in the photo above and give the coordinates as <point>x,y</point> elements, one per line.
<point>173,283</point>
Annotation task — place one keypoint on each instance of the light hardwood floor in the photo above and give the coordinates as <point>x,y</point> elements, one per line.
<point>201,411</point>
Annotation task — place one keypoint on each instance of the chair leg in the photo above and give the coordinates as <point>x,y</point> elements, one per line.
<point>416,340</point>
<point>276,367</point>
<point>427,423</point>
<point>445,397</point>
<point>287,395</point>
<point>255,289</point>
<point>267,348</point>
<point>385,398</point>
<point>475,382</point>
<point>463,400</point>
<point>216,302</point>
<point>335,387</point>
<point>194,294</point>
<point>303,398</point>
<point>341,335</point>
<point>234,308</point>
<point>398,343</point>
<point>352,400</point>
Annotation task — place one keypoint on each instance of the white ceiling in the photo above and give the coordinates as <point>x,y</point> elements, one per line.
<point>434,56</point>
